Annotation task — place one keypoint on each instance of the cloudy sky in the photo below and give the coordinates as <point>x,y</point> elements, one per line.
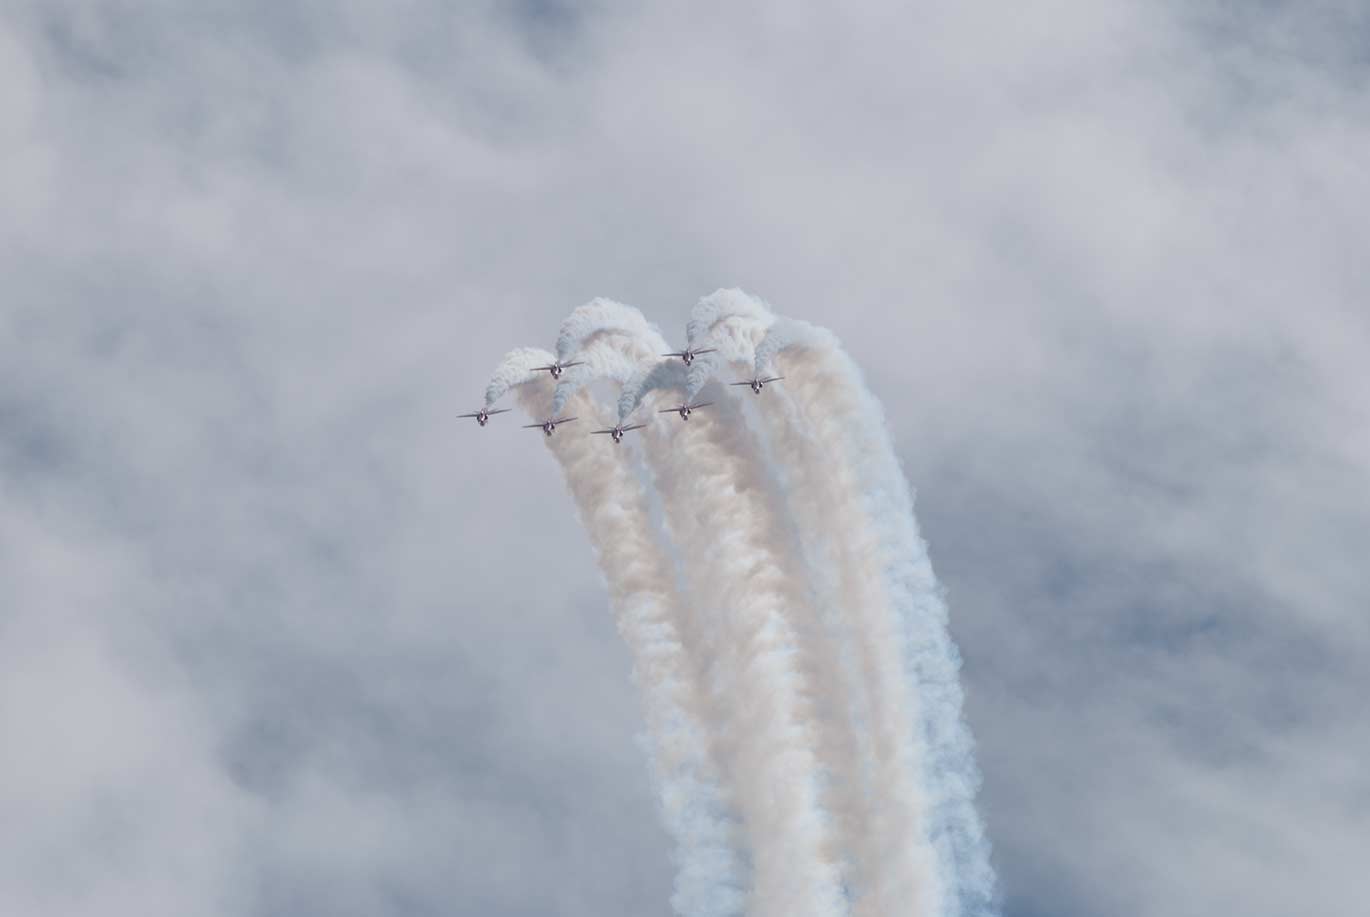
<point>279,636</point>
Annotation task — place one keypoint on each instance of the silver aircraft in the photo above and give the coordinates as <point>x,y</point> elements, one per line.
<point>483,416</point>
<point>685,409</point>
<point>547,426</point>
<point>618,431</point>
<point>758,384</point>
<point>557,368</point>
<point>689,355</point>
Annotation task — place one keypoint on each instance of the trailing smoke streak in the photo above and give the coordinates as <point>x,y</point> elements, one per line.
<point>825,687</point>
<point>715,514</point>
<point>606,326</point>
<point>733,324</point>
<point>515,369</point>
<point>897,870</point>
<point>842,411</point>
<point>605,316</point>
<point>845,750</point>
<point>902,869</point>
<point>885,811</point>
<point>730,320</point>
<point>629,342</point>
<point>710,881</point>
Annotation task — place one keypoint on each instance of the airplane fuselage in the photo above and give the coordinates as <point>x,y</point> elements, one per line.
<point>483,415</point>
<point>616,432</point>
<point>685,413</point>
<point>555,370</point>
<point>757,386</point>
<point>548,426</point>
<point>689,355</point>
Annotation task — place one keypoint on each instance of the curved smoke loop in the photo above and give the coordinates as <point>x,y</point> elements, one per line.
<point>789,640</point>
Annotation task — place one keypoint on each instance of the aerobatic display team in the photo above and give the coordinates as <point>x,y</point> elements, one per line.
<point>789,640</point>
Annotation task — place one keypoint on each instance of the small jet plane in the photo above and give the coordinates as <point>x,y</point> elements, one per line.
<point>758,384</point>
<point>547,426</point>
<point>689,355</point>
<point>557,368</point>
<point>617,432</point>
<point>685,409</point>
<point>483,416</point>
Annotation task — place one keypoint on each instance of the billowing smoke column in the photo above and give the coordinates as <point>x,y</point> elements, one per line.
<point>799,685</point>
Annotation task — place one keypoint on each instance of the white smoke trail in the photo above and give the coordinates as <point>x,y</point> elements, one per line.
<point>712,495</point>
<point>514,370</point>
<point>883,800</point>
<point>602,321</point>
<point>732,324</point>
<point>829,387</point>
<point>602,316</point>
<point>613,340</point>
<point>710,881</point>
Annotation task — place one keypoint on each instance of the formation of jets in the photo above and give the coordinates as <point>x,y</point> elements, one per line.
<point>615,433</point>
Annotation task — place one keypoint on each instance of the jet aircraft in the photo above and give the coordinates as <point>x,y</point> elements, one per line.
<point>758,384</point>
<point>483,416</point>
<point>618,431</point>
<point>689,355</point>
<point>685,409</point>
<point>547,426</point>
<point>557,368</point>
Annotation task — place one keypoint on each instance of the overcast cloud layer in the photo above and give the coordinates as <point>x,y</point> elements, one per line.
<point>279,636</point>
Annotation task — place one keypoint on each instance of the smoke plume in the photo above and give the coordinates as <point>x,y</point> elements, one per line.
<point>789,640</point>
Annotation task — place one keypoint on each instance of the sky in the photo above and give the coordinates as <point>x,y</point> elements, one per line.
<point>278,635</point>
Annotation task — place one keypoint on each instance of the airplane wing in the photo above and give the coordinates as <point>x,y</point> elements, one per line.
<point>601,431</point>
<point>531,426</point>
<point>707,350</point>
<point>573,363</point>
<point>540,368</point>
<point>475,415</point>
<point>773,379</point>
<point>492,413</point>
<point>702,404</point>
<point>636,426</point>
<point>678,353</point>
<point>668,411</point>
<point>743,383</point>
<point>563,420</point>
